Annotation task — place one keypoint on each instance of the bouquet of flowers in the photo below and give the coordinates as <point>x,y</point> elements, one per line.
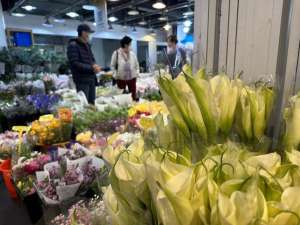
<point>61,180</point>
<point>49,83</point>
<point>107,121</point>
<point>8,144</point>
<point>43,103</point>
<point>140,115</point>
<point>23,172</point>
<point>93,212</point>
<point>50,130</point>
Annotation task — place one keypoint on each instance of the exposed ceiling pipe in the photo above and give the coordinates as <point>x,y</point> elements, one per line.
<point>121,7</point>
<point>170,9</point>
<point>17,5</point>
<point>126,5</point>
<point>74,4</point>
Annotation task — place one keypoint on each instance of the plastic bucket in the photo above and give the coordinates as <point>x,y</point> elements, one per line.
<point>5,169</point>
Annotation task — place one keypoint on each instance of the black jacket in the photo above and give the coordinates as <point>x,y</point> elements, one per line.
<point>81,61</point>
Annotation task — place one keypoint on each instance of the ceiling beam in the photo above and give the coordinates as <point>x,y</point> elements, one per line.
<point>17,5</point>
<point>73,5</point>
<point>126,6</point>
<point>160,12</point>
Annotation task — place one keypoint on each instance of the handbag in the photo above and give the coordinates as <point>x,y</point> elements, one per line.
<point>117,61</point>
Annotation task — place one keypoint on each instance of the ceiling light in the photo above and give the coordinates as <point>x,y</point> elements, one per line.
<point>94,24</point>
<point>72,14</point>
<point>187,23</point>
<point>56,20</point>
<point>163,18</point>
<point>167,27</point>
<point>47,23</point>
<point>159,5</point>
<point>89,7</point>
<point>186,29</point>
<point>112,19</point>
<point>152,31</point>
<point>28,7</point>
<point>143,22</point>
<point>18,14</point>
<point>189,13</point>
<point>133,12</point>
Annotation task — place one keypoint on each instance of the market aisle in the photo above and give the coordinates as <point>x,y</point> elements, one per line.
<point>11,213</point>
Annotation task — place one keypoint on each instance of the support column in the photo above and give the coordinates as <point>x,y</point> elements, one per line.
<point>134,46</point>
<point>100,14</point>
<point>152,49</point>
<point>3,40</point>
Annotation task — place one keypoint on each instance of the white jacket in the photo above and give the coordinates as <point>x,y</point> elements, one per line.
<point>134,65</point>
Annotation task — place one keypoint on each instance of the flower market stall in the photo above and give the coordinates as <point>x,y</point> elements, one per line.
<point>201,156</point>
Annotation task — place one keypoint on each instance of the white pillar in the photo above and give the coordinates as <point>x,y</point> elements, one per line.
<point>100,14</point>
<point>134,46</point>
<point>3,40</point>
<point>152,45</point>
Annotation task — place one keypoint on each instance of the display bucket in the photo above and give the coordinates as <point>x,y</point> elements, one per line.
<point>5,169</point>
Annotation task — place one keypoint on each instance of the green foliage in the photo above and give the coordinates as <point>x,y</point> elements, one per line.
<point>86,120</point>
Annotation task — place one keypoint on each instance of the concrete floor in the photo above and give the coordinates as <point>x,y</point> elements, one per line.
<point>11,212</point>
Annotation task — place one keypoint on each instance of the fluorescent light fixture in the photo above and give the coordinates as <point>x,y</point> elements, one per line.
<point>189,13</point>
<point>112,19</point>
<point>152,32</point>
<point>89,7</point>
<point>187,23</point>
<point>72,14</point>
<point>159,5</point>
<point>163,18</point>
<point>94,24</point>
<point>186,29</point>
<point>143,22</point>
<point>56,20</point>
<point>167,27</point>
<point>133,12</point>
<point>18,14</point>
<point>28,7</point>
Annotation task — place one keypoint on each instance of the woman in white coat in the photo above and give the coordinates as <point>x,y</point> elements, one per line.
<point>125,66</point>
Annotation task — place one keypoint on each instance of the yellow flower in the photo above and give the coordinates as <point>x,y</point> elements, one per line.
<point>146,123</point>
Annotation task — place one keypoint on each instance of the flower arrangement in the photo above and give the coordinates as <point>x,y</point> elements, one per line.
<point>49,83</point>
<point>61,180</point>
<point>8,144</point>
<point>93,212</point>
<point>50,130</point>
<point>23,173</point>
<point>108,121</point>
<point>140,115</point>
<point>43,103</point>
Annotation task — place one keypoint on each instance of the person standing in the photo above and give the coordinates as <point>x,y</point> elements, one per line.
<point>176,56</point>
<point>82,63</point>
<point>125,66</point>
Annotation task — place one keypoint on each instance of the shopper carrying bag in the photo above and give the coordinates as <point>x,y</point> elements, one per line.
<point>125,67</point>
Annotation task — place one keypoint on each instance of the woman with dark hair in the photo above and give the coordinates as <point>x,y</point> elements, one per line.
<point>125,65</point>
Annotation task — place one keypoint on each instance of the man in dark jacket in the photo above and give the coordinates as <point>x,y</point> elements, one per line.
<point>82,62</point>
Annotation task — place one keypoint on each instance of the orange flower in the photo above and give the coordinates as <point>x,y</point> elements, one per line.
<point>65,114</point>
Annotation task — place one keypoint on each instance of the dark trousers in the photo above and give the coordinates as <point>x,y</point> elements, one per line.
<point>131,84</point>
<point>88,88</point>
